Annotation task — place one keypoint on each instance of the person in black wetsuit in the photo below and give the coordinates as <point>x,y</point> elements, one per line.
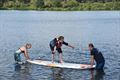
<point>97,56</point>
<point>56,43</point>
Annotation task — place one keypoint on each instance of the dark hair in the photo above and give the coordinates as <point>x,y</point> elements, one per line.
<point>91,45</point>
<point>60,37</point>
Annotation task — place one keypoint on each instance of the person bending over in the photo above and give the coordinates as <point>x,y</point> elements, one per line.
<point>97,56</point>
<point>22,50</point>
<point>56,44</point>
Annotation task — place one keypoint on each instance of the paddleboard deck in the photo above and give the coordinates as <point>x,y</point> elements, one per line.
<point>63,65</point>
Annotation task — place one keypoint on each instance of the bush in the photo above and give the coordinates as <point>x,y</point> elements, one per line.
<point>9,4</point>
<point>116,6</point>
<point>70,3</point>
<point>109,6</point>
<point>98,6</point>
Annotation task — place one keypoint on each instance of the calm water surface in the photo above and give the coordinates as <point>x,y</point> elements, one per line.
<point>79,29</point>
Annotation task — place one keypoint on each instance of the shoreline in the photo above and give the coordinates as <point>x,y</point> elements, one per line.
<point>61,11</point>
<point>52,10</point>
<point>96,6</point>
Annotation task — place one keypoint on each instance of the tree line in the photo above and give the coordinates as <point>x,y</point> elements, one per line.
<point>60,4</point>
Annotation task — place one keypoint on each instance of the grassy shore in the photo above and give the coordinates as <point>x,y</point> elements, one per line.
<point>80,7</point>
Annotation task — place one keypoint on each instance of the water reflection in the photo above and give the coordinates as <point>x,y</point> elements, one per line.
<point>97,74</point>
<point>57,74</point>
<point>22,72</point>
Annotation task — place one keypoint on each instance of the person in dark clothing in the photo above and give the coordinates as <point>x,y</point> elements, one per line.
<point>97,56</point>
<point>57,43</point>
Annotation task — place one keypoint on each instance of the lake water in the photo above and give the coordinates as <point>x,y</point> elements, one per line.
<point>79,28</point>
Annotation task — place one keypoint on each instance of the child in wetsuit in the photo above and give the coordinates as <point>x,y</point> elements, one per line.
<point>56,43</point>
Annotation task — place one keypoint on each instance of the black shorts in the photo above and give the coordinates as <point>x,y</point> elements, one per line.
<point>59,50</point>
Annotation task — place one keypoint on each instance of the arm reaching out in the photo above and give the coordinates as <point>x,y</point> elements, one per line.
<point>71,46</point>
<point>65,43</point>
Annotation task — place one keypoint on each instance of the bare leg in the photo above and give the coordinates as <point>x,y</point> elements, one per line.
<point>61,61</point>
<point>52,57</point>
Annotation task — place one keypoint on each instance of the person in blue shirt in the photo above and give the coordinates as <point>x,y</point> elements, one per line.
<point>57,43</point>
<point>97,56</point>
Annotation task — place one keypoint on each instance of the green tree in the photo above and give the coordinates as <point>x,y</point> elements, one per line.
<point>70,3</point>
<point>33,4</point>
<point>47,3</point>
<point>40,3</point>
<point>56,3</point>
<point>8,4</point>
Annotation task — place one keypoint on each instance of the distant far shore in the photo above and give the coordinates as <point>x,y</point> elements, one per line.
<point>96,6</point>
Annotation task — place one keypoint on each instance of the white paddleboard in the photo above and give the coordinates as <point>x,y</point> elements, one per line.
<point>63,65</point>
